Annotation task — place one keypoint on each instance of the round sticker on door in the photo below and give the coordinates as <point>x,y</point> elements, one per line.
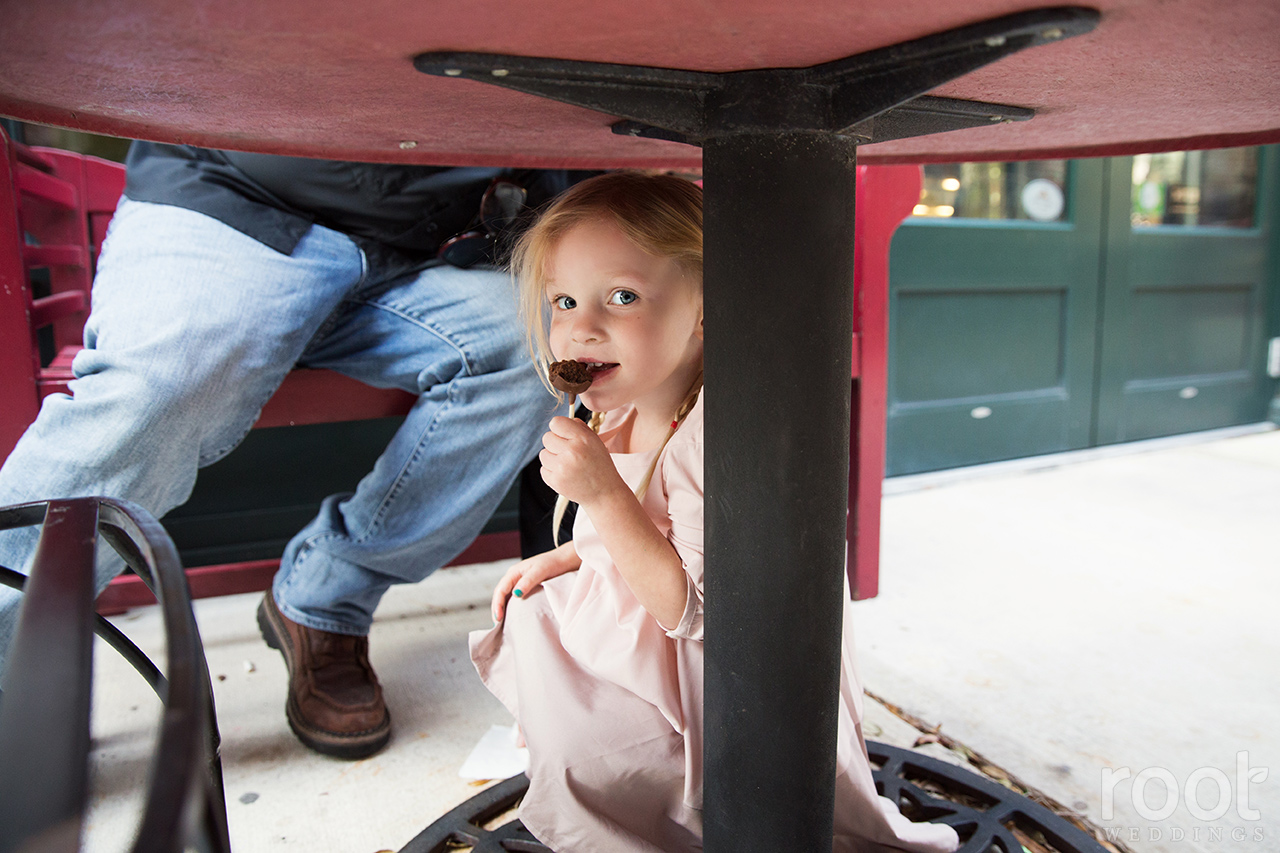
<point>1042,200</point>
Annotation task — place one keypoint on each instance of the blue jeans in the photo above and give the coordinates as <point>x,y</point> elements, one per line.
<point>193,327</point>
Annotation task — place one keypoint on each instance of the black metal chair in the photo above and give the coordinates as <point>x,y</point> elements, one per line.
<point>45,698</point>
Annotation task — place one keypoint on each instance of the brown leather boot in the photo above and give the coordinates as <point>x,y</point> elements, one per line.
<point>335,703</point>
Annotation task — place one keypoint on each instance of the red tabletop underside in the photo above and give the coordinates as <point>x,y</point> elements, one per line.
<point>334,78</point>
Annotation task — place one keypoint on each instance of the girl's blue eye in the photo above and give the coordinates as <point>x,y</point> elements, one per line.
<point>564,303</point>
<point>623,297</point>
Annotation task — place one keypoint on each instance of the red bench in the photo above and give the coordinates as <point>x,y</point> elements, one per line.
<point>65,200</point>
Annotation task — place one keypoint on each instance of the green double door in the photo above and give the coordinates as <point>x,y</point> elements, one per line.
<point>1106,311</point>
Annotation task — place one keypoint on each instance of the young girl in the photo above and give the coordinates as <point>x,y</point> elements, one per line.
<point>597,645</point>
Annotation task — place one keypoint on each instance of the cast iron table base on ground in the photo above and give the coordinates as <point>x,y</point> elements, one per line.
<point>987,815</point>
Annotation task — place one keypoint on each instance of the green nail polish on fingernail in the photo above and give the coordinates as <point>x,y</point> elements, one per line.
<point>518,594</point>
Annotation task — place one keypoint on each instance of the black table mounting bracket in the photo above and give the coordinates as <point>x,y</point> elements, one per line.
<point>872,97</point>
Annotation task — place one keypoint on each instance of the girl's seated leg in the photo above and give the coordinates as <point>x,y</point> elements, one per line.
<point>607,769</point>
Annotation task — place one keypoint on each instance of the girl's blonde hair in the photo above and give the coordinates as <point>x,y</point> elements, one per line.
<point>660,214</point>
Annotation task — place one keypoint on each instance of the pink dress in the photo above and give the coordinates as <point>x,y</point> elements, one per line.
<point>610,702</point>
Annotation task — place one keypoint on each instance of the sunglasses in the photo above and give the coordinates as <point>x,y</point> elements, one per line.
<point>500,206</point>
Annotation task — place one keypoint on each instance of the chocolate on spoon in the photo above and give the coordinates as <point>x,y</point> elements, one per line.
<point>569,376</point>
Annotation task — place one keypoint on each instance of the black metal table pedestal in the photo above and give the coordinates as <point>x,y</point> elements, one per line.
<point>779,320</point>
<point>779,154</point>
